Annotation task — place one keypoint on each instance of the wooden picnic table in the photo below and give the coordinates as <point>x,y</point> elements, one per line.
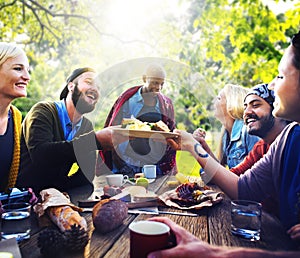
<point>212,225</point>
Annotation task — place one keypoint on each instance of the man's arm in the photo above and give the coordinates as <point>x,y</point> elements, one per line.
<point>226,180</point>
<point>44,138</point>
<point>189,246</point>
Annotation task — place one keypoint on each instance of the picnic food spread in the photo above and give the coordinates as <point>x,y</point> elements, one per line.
<point>191,193</point>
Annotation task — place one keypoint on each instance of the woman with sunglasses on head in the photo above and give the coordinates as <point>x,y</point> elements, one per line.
<point>14,74</point>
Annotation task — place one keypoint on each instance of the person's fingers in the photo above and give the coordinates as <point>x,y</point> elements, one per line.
<point>296,236</point>
<point>174,145</point>
<point>294,232</point>
<point>294,229</point>
<point>199,132</point>
<point>164,253</point>
<point>182,236</point>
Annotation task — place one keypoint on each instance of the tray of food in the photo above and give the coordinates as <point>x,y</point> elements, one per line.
<point>132,127</point>
<point>191,196</point>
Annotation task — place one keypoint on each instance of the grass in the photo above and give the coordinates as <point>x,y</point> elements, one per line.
<point>187,164</point>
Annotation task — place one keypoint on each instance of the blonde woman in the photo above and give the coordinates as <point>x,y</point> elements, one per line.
<point>14,74</point>
<point>235,141</point>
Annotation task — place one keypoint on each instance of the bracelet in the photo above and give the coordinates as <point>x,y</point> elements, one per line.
<point>199,154</point>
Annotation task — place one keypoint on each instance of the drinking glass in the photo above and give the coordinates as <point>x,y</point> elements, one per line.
<point>246,219</point>
<point>15,221</point>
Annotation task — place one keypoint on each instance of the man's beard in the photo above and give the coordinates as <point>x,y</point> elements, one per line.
<point>266,124</point>
<point>80,104</point>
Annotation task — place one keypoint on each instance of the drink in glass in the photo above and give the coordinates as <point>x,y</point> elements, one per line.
<point>15,221</point>
<point>246,219</point>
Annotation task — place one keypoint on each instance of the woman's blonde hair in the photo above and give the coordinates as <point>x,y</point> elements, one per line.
<point>235,95</point>
<point>9,50</point>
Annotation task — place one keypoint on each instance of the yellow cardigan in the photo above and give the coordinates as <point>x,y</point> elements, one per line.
<point>14,169</point>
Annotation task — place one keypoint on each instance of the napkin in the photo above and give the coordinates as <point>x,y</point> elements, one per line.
<point>51,197</point>
<point>11,246</point>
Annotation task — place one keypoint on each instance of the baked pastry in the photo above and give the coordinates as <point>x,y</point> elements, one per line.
<point>160,126</point>
<point>60,209</point>
<point>65,217</point>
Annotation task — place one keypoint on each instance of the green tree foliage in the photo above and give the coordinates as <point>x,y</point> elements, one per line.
<point>215,42</point>
<point>241,41</point>
<point>45,27</point>
<point>48,31</point>
<point>232,41</point>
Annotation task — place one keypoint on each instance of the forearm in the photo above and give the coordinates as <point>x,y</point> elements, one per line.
<point>254,253</point>
<point>188,245</point>
<point>106,140</point>
<point>219,175</point>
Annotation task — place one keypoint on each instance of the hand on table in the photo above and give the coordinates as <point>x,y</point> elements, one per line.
<point>187,246</point>
<point>294,232</point>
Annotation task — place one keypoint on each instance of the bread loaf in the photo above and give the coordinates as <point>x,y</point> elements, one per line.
<point>109,214</point>
<point>64,217</point>
<point>60,209</point>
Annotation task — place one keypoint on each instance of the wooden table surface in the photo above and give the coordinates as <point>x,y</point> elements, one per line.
<point>212,225</point>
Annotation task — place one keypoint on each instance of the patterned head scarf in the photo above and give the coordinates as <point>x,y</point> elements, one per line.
<point>262,91</point>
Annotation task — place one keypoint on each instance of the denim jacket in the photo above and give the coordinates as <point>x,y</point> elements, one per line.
<point>135,104</point>
<point>237,147</point>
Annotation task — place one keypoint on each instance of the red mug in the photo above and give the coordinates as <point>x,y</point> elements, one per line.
<point>147,236</point>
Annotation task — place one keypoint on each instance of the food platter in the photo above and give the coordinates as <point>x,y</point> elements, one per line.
<point>169,199</point>
<point>144,134</point>
<point>191,196</point>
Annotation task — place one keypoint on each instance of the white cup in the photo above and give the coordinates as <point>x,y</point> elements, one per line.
<point>116,179</point>
<point>149,171</point>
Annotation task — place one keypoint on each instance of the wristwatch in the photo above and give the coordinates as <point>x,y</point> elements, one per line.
<point>196,148</point>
